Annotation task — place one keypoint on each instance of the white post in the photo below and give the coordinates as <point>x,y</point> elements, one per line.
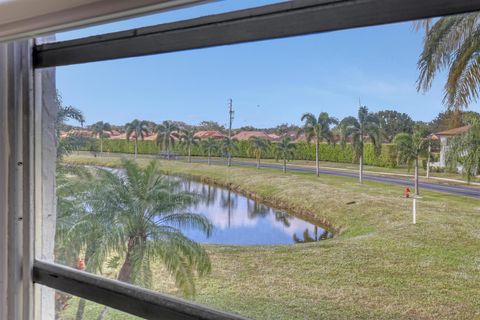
<point>414,210</point>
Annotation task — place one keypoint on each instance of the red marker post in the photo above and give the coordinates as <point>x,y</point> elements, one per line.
<point>80,264</point>
<point>406,192</point>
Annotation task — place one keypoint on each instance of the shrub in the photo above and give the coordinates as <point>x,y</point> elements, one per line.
<point>303,151</point>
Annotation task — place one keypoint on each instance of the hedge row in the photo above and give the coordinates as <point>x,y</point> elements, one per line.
<point>303,151</point>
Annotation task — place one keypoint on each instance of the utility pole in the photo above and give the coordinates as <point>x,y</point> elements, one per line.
<point>231,114</point>
<point>428,156</point>
<point>360,160</point>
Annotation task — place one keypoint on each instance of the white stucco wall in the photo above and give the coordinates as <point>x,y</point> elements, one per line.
<point>443,151</point>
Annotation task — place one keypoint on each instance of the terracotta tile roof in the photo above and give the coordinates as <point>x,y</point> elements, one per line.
<point>245,135</point>
<point>209,134</point>
<point>274,136</point>
<point>454,131</point>
<point>122,136</point>
<point>80,133</point>
<point>152,137</point>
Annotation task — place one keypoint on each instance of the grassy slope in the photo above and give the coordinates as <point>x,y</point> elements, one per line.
<point>381,266</point>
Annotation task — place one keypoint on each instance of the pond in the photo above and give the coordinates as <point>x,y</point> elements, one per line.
<point>238,220</point>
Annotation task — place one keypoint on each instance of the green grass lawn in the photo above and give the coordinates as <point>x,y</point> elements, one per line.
<point>380,266</point>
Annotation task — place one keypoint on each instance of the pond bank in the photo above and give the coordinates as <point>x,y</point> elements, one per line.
<point>269,201</point>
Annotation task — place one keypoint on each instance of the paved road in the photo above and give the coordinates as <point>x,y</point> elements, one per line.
<point>403,181</point>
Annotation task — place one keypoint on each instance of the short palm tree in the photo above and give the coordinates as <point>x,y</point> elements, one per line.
<point>464,150</point>
<point>318,129</point>
<point>64,113</point>
<point>83,227</point>
<point>284,150</point>
<point>189,139</point>
<point>209,146</point>
<point>99,130</point>
<point>165,137</point>
<point>410,147</point>
<point>149,213</point>
<point>452,43</point>
<point>137,128</point>
<point>367,125</point>
<point>258,146</point>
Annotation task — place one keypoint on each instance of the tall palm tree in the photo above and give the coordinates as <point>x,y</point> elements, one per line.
<point>258,146</point>
<point>165,138</point>
<point>99,130</point>
<point>410,147</point>
<point>318,129</point>
<point>452,43</point>
<point>189,139</point>
<point>149,213</point>
<point>139,128</point>
<point>228,146</point>
<point>284,150</point>
<point>367,125</point>
<point>209,145</point>
<point>464,150</point>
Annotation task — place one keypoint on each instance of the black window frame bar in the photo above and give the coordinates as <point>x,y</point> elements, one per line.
<point>293,18</point>
<point>122,296</point>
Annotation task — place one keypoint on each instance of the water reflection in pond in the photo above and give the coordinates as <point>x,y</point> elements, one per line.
<point>242,221</point>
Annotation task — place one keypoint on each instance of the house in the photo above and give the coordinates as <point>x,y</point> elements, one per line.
<point>274,137</point>
<point>445,137</point>
<point>203,135</point>
<point>247,135</point>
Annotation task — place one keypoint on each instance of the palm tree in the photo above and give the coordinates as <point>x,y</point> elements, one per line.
<point>258,146</point>
<point>410,147</point>
<point>83,226</point>
<point>464,150</point>
<point>99,130</point>
<point>69,186</point>
<point>228,146</point>
<point>284,150</point>
<point>319,130</point>
<point>64,113</point>
<point>165,138</point>
<point>139,128</point>
<point>209,145</point>
<point>149,213</point>
<point>452,43</point>
<point>357,129</point>
<point>189,139</point>
<point>316,237</point>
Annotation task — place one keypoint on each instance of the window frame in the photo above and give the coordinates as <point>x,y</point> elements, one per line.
<point>20,165</point>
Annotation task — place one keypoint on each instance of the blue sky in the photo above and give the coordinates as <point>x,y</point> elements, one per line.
<point>270,82</point>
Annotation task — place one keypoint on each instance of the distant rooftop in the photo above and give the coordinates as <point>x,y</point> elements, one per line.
<point>246,135</point>
<point>454,131</point>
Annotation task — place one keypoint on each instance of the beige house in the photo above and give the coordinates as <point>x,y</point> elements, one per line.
<point>445,137</point>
